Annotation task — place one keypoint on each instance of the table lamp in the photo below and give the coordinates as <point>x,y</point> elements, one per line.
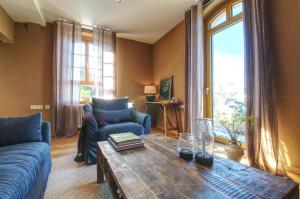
<point>150,91</point>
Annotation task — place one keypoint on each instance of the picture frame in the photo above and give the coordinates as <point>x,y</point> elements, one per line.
<point>165,88</point>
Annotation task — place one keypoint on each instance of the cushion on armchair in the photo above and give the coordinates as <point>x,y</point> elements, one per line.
<point>113,116</point>
<point>16,130</point>
<point>110,104</point>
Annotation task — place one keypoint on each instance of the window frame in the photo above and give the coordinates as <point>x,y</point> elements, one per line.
<point>87,39</point>
<point>208,33</point>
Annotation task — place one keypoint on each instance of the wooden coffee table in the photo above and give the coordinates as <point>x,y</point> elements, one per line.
<point>156,171</point>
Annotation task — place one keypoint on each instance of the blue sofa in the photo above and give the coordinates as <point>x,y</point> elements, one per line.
<point>115,117</point>
<point>25,161</point>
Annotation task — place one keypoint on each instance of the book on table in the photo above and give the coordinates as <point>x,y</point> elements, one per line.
<point>123,141</point>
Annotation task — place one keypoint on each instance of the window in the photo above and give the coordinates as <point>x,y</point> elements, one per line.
<point>220,18</point>
<point>225,61</point>
<point>236,9</point>
<point>94,81</point>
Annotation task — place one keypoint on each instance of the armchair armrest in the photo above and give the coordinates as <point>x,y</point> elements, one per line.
<point>46,132</point>
<point>87,108</point>
<point>90,134</point>
<point>144,120</point>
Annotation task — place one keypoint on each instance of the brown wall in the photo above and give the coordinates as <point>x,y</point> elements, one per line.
<point>26,72</point>
<point>169,59</point>
<point>133,70</point>
<point>7,27</point>
<point>286,43</point>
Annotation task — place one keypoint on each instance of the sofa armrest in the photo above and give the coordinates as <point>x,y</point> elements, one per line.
<point>144,120</point>
<point>87,108</point>
<point>46,132</point>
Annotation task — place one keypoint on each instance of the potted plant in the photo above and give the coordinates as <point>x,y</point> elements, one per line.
<point>234,124</point>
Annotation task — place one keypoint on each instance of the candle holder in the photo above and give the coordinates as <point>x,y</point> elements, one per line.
<point>204,142</point>
<point>185,146</point>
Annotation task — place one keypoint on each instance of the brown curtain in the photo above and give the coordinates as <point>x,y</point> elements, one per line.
<point>194,66</point>
<point>66,78</point>
<point>262,138</point>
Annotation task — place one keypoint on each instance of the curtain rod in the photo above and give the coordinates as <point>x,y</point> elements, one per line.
<point>84,25</point>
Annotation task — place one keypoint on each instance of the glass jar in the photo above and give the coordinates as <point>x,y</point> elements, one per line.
<point>185,146</point>
<point>204,142</point>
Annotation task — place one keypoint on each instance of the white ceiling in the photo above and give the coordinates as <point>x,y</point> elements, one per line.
<point>140,20</point>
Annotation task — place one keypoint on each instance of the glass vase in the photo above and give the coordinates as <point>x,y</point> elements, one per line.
<point>185,146</point>
<point>204,142</point>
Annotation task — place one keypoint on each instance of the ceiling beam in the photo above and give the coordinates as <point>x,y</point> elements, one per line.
<point>37,6</point>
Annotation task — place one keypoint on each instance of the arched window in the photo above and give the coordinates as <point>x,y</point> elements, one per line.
<point>225,64</point>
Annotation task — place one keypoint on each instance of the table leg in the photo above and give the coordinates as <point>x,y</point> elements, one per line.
<point>176,112</point>
<point>100,175</point>
<point>165,120</point>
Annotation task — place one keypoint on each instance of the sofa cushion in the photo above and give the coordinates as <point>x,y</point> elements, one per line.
<point>113,116</point>
<point>110,104</point>
<point>20,166</point>
<point>135,128</point>
<point>16,130</point>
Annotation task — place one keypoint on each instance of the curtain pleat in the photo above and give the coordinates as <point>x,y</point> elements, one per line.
<point>66,84</point>
<point>194,66</point>
<point>262,138</point>
<point>104,52</point>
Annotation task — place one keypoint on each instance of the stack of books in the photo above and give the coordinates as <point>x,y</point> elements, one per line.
<point>124,141</point>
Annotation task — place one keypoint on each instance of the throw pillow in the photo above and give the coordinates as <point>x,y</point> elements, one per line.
<point>113,116</point>
<point>17,130</point>
<point>110,104</point>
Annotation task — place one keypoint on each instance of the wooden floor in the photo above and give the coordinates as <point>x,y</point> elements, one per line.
<point>69,179</point>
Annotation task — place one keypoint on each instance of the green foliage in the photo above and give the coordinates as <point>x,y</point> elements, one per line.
<point>236,121</point>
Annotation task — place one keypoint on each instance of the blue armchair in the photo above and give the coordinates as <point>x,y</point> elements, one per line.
<point>110,116</point>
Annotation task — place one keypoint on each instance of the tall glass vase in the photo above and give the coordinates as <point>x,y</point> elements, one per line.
<point>204,142</point>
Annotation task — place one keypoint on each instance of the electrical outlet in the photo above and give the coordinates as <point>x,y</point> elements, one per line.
<point>36,107</point>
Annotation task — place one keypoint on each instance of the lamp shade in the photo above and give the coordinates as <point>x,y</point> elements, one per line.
<point>150,89</point>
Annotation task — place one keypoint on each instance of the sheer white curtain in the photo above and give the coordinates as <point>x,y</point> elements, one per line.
<point>103,64</point>
<point>194,66</point>
<point>262,138</point>
<point>66,75</point>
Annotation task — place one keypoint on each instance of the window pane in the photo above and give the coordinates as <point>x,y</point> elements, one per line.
<point>94,62</point>
<point>228,76</point>
<point>79,61</point>
<point>108,94</point>
<point>236,9</point>
<point>108,57</point>
<point>94,75</point>
<point>91,50</point>
<point>79,48</point>
<point>87,92</point>
<point>221,18</point>
<point>108,83</point>
<point>108,70</point>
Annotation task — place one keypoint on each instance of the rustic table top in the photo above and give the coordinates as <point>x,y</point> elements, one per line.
<point>156,171</point>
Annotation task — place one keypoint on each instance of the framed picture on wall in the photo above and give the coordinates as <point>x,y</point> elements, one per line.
<point>165,88</point>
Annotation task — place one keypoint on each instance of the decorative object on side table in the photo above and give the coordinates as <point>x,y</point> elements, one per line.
<point>235,125</point>
<point>204,142</point>
<point>165,88</point>
<point>150,91</point>
<point>185,146</point>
